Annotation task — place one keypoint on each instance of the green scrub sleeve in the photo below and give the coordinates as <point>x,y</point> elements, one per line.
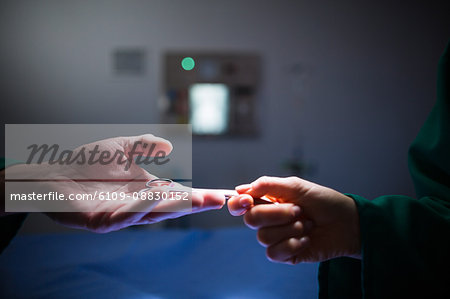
<point>405,242</point>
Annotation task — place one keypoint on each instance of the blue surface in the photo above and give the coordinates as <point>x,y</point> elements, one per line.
<point>225,263</point>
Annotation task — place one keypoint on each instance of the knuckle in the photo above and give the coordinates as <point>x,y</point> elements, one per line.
<point>293,179</point>
<point>292,211</point>
<point>292,246</point>
<point>261,182</point>
<point>298,228</point>
<point>264,178</point>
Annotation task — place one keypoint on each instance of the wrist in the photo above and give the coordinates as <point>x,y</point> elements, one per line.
<point>354,235</point>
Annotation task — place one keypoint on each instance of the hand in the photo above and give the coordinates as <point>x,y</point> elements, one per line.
<point>102,215</point>
<point>312,223</point>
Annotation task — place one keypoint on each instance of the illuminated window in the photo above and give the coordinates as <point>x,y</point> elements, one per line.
<point>209,105</point>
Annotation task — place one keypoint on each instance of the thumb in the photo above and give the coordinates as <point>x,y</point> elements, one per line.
<point>282,189</point>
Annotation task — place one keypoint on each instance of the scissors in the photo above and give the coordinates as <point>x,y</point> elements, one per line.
<point>227,193</point>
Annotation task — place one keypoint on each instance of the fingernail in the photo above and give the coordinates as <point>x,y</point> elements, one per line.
<point>243,188</point>
<point>303,241</point>
<point>296,211</point>
<point>245,202</point>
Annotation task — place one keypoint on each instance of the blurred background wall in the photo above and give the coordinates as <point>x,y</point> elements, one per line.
<point>346,85</point>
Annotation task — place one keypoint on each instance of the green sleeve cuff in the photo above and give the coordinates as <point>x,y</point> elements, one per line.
<point>403,247</point>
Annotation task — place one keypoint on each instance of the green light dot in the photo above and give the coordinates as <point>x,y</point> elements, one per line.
<point>187,63</point>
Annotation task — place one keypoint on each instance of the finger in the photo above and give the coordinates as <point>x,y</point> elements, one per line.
<point>210,200</point>
<point>284,251</point>
<point>271,235</point>
<point>271,215</point>
<point>243,188</point>
<point>132,210</point>
<point>201,202</point>
<point>280,188</point>
<point>190,202</point>
<point>146,145</point>
<point>238,205</point>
